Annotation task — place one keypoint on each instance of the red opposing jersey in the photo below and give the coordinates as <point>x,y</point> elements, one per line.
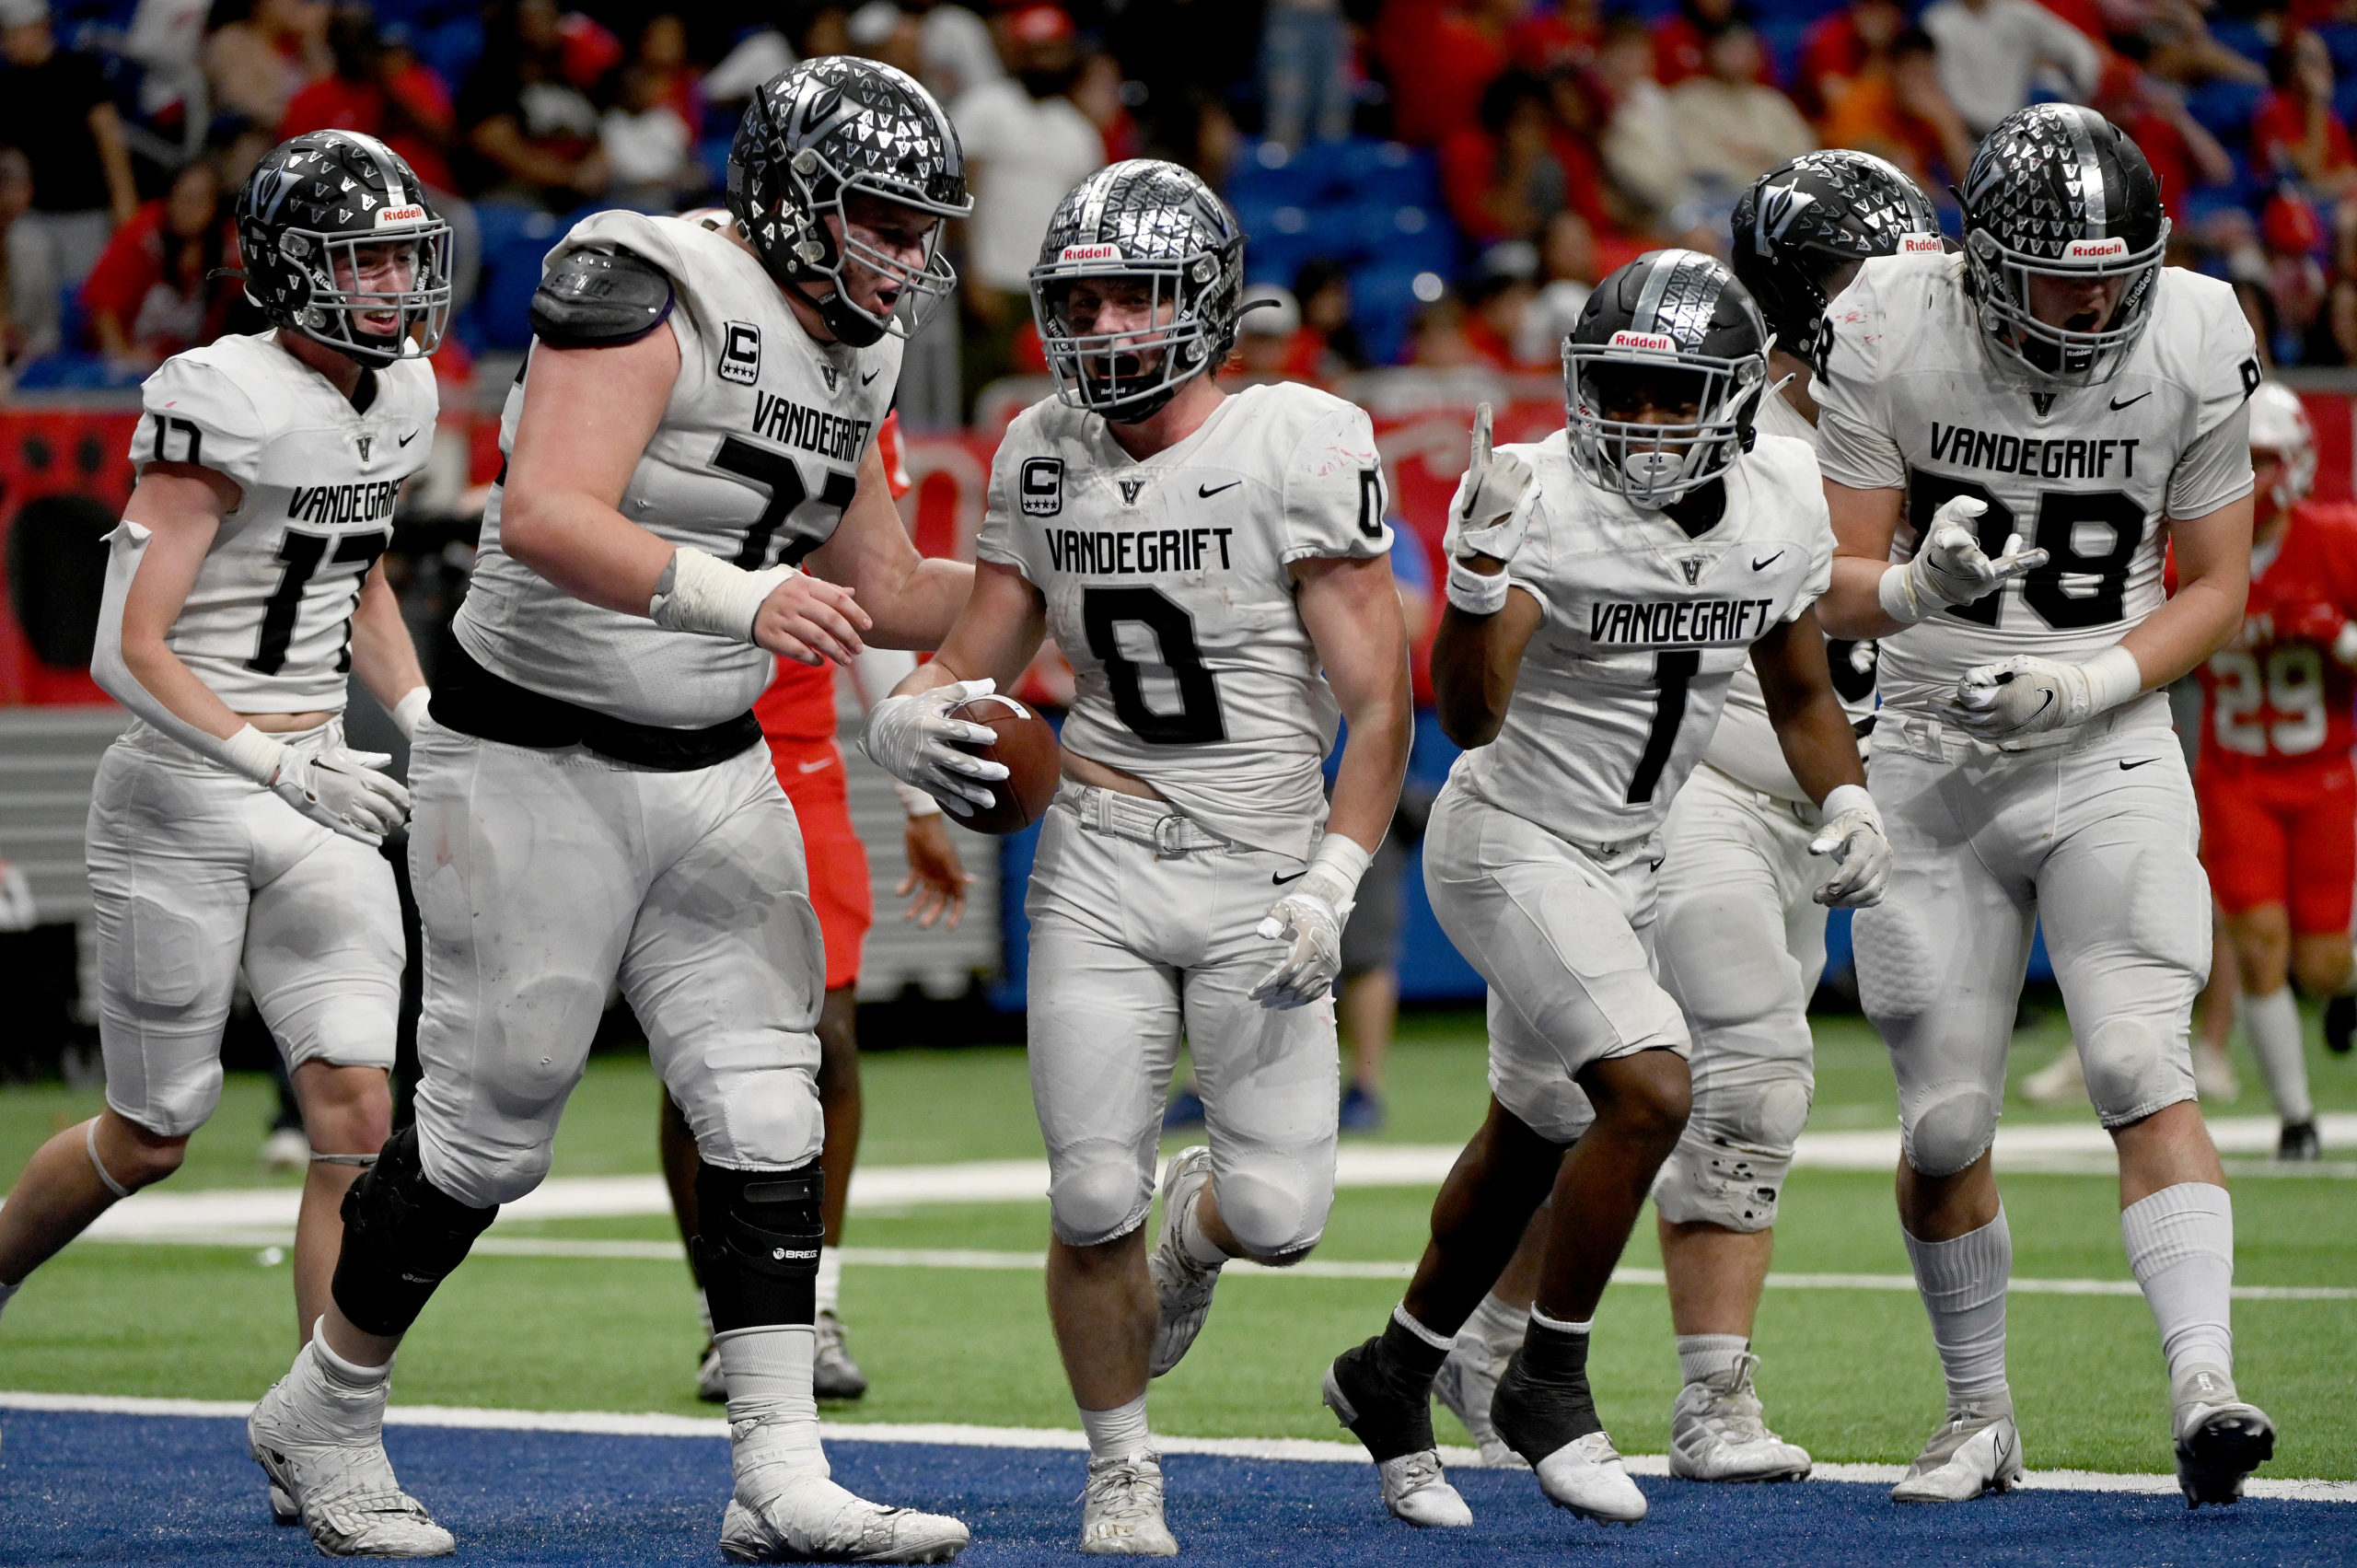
<point>800,702</point>
<point>2277,697</point>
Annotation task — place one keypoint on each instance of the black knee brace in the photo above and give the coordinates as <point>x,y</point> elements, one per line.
<point>401,1238</point>
<point>758,1252</point>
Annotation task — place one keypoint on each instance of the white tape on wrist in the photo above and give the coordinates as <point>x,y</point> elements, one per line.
<point>1477,593</point>
<point>1844,799</point>
<point>915,802</point>
<point>1895,590</point>
<point>254,754</point>
<point>411,708</point>
<point>710,596</point>
<point>2113,676</point>
<point>1336,869</point>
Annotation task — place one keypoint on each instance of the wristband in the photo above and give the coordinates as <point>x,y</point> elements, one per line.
<point>1896,592</point>
<point>915,802</point>
<point>699,593</point>
<point>1843,799</point>
<point>1477,593</point>
<point>254,754</point>
<point>2112,676</point>
<point>409,709</point>
<point>1335,870</point>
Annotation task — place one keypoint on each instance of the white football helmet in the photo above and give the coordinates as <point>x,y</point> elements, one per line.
<point>2279,424</point>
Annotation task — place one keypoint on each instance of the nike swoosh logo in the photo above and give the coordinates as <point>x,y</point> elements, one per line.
<point>879,370</point>
<point>2131,767</point>
<point>407,438</point>
<point>1763,565</point>
<point>1297,875</point>
<point>2117,405</point>
<point>1204,492</point>
<point>814,767</point>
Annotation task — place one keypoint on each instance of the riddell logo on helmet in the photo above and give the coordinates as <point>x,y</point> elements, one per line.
<point>387,216</point>
<point>1089,254</point>
<point>1921,245</point>
<point>1653,341</point>
<point>2094,250</point>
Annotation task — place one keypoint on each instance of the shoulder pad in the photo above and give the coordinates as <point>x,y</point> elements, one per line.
<point>599,299</point>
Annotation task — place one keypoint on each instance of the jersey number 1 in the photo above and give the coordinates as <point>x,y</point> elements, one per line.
<point>1198,719</point>
<point>1673,670</point>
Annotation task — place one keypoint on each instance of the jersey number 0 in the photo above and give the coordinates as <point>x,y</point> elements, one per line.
<point>1197,720</point>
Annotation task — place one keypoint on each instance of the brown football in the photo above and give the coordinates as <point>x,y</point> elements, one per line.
<point>1027,744</point>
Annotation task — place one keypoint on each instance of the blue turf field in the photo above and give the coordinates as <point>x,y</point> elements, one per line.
<point>111,1489</point>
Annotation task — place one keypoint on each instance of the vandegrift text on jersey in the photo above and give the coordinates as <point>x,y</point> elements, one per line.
<point>1960,446</point>
<point>1706,622</point>
<point>1122,553</point>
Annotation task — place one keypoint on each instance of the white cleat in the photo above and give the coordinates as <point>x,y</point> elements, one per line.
<point>1120,1511</point>
<point>340,1485</point>
<point>1970,1454</point>
<point>810,1519</point>
<point>1466,1383</point>
<point>1717,1431</point>
<point>1414,1489</point>
<point>2220,1438</point>
<point>1182,1287</point>
<point>2060,1082</point>
<point>282,1507</point>
<point>1585,1476</point>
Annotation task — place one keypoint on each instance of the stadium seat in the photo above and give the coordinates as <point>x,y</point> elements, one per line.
<point>1785,37</point>
<point>2224,107</point>
<point>2244,37</point>
<point>1383,308</point>
<point>514,239</point>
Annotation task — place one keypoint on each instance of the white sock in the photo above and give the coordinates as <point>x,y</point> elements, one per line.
<point>772,1415</point>
<point>349,1397</point>
<point>1200,1248</point>
<point>1963,1286</point>
<point>2181,1249</point>
<point>1498,1325</point>
<point>1117,1432</point>
<point>831,1278</point>
<point>2271,1024</point>
<point>1701,1356</point>
<point>1559,1326</point>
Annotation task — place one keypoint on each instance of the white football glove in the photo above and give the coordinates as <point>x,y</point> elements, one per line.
<point>1488,515</point>
<point>1950,568</point>
<point>1309,920</point>
<point>1852,833</point>
<point>345,790</point>
<point>2026,695</point>
<point>911,737</point>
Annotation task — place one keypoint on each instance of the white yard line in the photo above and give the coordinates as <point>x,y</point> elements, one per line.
<point>623,1426</point>
<point>163,1213</point>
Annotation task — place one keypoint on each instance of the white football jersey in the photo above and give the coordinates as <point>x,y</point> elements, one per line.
<point>1910,397</point>
<point>1166,587</point>
<point>756,459</point>
<point>1621,685</point>
<point>1745,746</point>
<point>268,623</point>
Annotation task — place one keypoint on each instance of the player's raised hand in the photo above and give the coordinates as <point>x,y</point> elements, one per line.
<point>1950,568</point>
<point>1852,833</point>
<point>810,620</point>
<point>936,875</point>
<point>914,739</point>
<point>348,791</point>
<point>1489,516</point>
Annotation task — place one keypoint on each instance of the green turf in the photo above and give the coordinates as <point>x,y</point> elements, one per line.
<point>1849,1374</point>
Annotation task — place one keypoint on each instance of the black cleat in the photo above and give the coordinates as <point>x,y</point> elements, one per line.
<point>2298,1141</point>
<point>2339,1024</point>
<point>2220,1439</point>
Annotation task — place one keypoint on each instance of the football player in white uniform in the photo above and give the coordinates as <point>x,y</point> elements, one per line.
<point>2053,384</point>
<point>230,828</point>
<point>593,798</point>
<point>1216,568</point>
<point>1605,586</point>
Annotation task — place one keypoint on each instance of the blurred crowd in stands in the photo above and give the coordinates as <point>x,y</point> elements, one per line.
<point>1429,182</point>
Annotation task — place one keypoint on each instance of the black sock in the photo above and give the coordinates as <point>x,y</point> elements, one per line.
<point>1543,1401</point>
<point>1411,1360</point>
